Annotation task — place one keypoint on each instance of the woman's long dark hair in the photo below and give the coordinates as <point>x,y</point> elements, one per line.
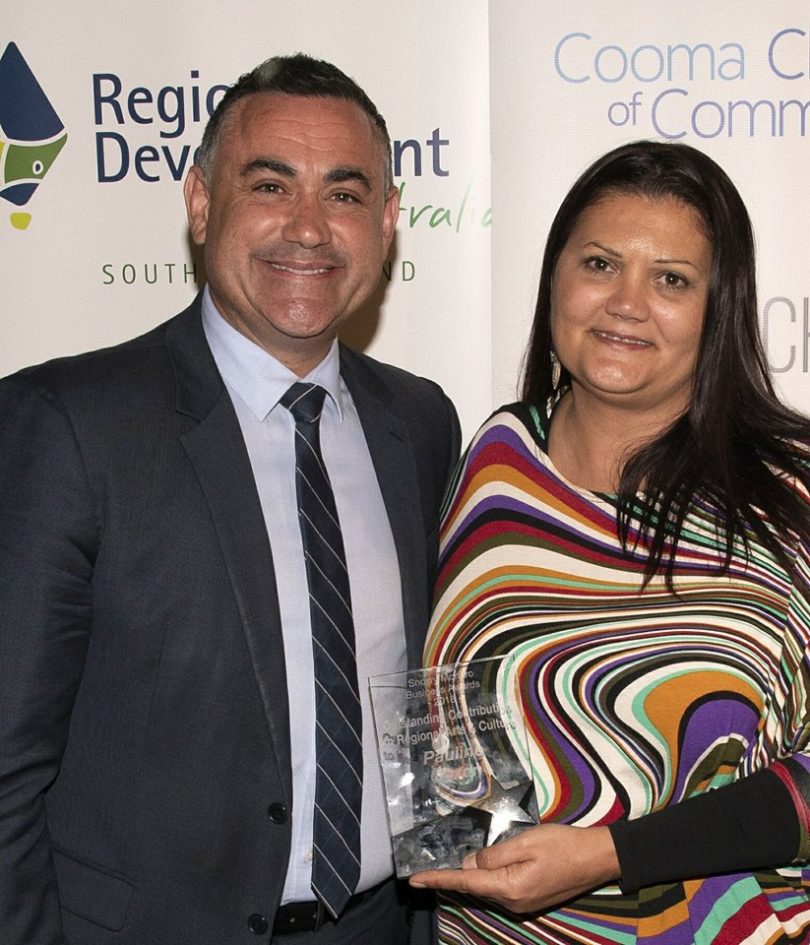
<point>736,442</point>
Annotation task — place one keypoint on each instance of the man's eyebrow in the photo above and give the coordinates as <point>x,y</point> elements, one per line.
<point>268,164</point>
<point>340,175</point>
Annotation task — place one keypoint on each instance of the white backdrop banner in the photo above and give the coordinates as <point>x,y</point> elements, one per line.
<point>731,77</point>
<point>102,108</point>
<point>96,249</point>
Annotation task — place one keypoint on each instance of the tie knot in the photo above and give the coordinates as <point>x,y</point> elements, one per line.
<point>304,401</point>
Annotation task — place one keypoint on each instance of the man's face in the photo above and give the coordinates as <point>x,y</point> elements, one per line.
<point>295,221</point>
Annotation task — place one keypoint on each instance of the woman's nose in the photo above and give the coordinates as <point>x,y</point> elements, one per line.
<point>629,298</point>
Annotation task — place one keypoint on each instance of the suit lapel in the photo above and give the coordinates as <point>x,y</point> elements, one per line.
<point>392,455</point>
<point>215,447</point>
<point>214,444</point>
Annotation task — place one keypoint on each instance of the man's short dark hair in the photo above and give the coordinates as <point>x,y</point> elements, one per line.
<point>293,75</point>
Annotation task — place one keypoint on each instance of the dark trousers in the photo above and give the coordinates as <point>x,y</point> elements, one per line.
<point>379,920</point>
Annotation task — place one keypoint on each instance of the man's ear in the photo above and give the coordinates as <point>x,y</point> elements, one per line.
<point>195,191</point>
<point>390,215</point>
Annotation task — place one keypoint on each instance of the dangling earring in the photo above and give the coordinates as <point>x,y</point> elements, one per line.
<point>556,370</point>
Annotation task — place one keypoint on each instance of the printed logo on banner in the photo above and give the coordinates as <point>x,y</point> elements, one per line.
<point>31,133</point>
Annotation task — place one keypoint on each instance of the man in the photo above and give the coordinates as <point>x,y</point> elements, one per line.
<point>160,771</point>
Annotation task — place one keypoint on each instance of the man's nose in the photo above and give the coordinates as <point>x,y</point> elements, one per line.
<point>307,223</point>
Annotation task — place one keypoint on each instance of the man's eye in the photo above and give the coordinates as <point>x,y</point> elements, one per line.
<point>343,197</point>
<point>268,187</point>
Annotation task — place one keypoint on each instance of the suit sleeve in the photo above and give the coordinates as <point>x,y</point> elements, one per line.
<point>48,540</point>
<point>453,439</point>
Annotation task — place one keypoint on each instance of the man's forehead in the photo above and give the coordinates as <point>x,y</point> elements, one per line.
<point>301,115</point>
<point>332,131</point>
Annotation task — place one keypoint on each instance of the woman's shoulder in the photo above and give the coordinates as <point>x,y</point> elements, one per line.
<point>790,459</point>
<point>784,495</point>
<point>799,475</point>
<point>801,449</point>
<point>517,419</point>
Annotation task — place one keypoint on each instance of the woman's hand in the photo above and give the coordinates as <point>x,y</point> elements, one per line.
<point>537,869</point>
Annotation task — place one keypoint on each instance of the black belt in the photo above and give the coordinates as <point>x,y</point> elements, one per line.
<point>310,916</point>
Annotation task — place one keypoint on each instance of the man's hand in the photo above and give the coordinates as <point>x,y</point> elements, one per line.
<point>537,869</point>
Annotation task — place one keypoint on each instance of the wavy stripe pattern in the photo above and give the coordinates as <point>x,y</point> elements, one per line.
<point>634,699</point>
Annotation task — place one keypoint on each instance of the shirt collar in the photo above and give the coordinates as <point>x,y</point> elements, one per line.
<point>256,376</point>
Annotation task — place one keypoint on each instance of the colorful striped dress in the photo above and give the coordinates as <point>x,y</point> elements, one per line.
<point>634,699</point>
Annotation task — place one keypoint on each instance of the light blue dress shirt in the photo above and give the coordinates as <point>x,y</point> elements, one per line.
<point>256,381</point>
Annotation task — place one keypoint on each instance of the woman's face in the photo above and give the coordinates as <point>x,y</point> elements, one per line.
<point>628,302</point>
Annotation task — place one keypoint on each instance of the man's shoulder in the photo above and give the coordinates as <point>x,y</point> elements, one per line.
<point>121,365</point>
<point>419,404</point>
<point>388,379</point>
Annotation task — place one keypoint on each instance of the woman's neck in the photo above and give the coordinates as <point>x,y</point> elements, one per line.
<point>590,440</point>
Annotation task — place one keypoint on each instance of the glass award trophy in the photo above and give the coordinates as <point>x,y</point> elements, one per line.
<point>454,756</point>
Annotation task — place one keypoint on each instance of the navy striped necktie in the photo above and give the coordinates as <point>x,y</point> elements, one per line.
<point>338,744</point>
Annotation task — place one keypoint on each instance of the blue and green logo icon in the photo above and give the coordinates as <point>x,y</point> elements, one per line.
<point>31,133</point>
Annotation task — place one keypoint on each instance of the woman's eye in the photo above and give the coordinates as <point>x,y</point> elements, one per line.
<point>597,263</point>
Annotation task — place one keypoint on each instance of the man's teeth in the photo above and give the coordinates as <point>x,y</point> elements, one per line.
<point>298,272</point>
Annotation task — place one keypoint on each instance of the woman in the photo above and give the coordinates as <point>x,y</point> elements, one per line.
<point>636,531</point>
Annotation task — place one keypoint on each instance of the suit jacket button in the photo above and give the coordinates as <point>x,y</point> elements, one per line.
<point>277,813</point>
<point>257,924</point>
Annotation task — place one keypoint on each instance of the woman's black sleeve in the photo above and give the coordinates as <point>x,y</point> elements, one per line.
<point>749,824</point>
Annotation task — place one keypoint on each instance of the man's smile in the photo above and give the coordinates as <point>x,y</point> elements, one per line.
<point>301,270</point>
